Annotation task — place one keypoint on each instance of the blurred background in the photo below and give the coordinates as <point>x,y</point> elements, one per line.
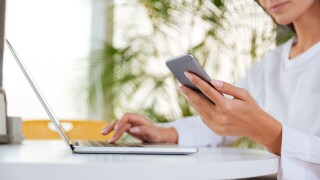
<point>97,59</point>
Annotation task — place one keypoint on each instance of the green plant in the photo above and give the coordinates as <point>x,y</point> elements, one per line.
<point>227,37</point>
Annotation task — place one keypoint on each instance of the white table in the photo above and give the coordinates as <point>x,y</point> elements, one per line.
<point>51,160</point>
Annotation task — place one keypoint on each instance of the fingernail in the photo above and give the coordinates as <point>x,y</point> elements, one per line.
<point>181,89</point>
<point>111,140</point>
<point>115,127</point>
<point>188,75</point>
<point>216,83</point>
<point>102,131</point>
<point>134,130</point>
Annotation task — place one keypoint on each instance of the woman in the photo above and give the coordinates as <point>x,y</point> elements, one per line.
<point>277,104</point>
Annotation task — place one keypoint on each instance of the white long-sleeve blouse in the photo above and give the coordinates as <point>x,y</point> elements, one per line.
<point>289,90</point>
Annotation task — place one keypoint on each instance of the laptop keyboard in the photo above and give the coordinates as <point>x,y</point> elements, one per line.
<point>105,144</point>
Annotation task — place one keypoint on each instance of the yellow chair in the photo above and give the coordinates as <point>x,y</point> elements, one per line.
<point>75,129</point>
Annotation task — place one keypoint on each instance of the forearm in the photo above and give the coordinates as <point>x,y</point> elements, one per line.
<point>268,132</point>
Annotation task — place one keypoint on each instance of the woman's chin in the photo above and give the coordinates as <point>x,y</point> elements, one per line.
<point>283,21</point>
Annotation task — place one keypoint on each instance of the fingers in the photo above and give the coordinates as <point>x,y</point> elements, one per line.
<point>205,88</point>
<point>140,130</point>
<point>199,103</point>
<point>220,86</point>
<point>134,119</point>
<point>119,133</point>
<point>125,123</point>
<point>229,89</point>
<point>108,128</point>
<point>136,130</point>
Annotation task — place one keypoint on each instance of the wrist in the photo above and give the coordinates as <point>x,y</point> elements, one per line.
<point>169,135</point>
<point>269,133</point>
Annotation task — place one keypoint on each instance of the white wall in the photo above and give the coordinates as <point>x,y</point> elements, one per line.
<point>53,37</point>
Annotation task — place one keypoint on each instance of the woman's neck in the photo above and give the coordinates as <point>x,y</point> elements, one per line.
<point>308,30</point>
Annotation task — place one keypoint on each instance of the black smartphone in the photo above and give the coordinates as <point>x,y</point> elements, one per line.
<point>187,62</point>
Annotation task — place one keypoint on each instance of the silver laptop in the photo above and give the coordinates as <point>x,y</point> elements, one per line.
<point>98,146</point>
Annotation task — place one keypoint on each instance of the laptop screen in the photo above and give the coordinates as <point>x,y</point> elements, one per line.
<point>41,98</point>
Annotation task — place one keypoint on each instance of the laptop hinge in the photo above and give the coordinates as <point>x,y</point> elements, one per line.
<point>72,146</point>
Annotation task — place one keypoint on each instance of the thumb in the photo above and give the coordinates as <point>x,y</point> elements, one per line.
<point>229,89</point>
<point>140,130</point>
<point>145,133</point>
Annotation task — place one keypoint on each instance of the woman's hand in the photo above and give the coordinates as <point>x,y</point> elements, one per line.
<point>141,128</point>
<point>240,116</point>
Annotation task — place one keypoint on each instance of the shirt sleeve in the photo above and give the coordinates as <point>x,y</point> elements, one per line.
<point>193,132</point>
<point>300,155</point>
